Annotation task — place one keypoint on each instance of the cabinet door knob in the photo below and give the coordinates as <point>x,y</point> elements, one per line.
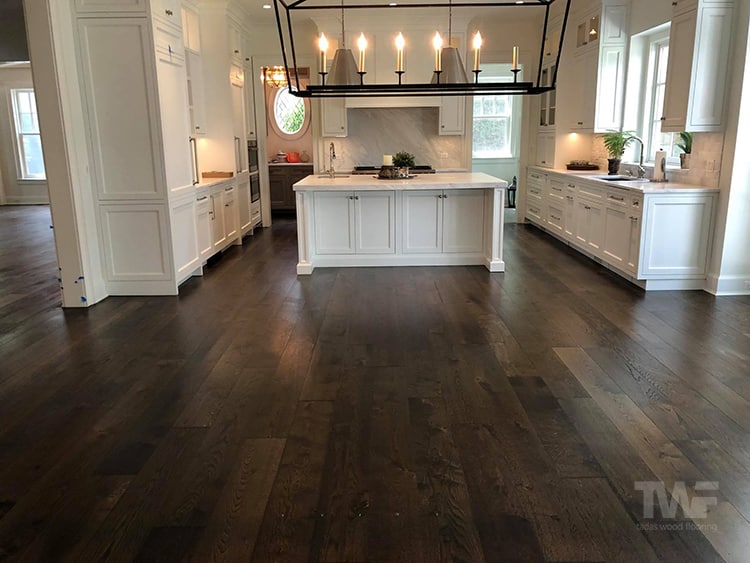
<point>169,12</point>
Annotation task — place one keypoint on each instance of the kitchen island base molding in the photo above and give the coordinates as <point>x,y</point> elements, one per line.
<point>405,224</point>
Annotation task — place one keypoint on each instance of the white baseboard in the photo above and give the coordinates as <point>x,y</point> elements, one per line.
<point>728,285</point>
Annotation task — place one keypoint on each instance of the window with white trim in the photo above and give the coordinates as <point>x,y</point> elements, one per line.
<point>656,82</point>
<point>28,140</point>
<point>494,117</point>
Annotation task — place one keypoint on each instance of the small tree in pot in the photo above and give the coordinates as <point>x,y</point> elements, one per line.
<point>686,144</point>
<point>616,142</point>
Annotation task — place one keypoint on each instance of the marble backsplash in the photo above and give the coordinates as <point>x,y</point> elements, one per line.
<point>374,132</point>
<point>704,166</point>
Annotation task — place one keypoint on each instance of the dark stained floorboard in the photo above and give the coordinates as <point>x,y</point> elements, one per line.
<point>367,414</point>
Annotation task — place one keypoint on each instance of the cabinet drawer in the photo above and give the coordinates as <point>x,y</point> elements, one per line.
<point>535,212</point>
<point>536,179</point>
<point>619,198</point>
<point>555,216</point>
<point>592,192</point>
<point>535,192</point>
<point>556,189</point>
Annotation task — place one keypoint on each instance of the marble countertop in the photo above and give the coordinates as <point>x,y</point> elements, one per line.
<point>644,186</point>
<point>447,181</point>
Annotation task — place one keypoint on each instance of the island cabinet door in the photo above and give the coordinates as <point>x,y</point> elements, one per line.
<point>463,221</point>
<point>423,222</point>
<point>375,214</point>
<point>334,222</point>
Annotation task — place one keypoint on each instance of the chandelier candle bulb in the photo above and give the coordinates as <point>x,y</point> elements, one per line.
<point>477,47</point>
<point>362,44</point>
<point>323,46</point>
<point>400,43</point>
<point>515,57</point>
<point>437,42</point>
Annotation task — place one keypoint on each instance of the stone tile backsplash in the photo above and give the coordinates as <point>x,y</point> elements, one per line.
<point>378,131</point>
<point>704,166</point>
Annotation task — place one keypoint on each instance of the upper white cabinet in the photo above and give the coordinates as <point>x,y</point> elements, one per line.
<point>699,57</point>
<point>235,42</point>
<point>333,117</point>
<point>587,32</point>
<point>196,93</point>
<point>452,115</point>
<point>191,33</point>
<point>548,100</point>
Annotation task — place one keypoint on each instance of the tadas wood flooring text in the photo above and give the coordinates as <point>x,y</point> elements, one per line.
<point>384,415</point>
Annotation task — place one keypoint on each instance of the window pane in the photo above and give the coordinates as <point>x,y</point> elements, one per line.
<point>32,155</point>
<point>491,137</point>
<point>289,112</point>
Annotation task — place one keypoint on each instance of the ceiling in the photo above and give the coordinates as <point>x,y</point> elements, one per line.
<point>12,32</point>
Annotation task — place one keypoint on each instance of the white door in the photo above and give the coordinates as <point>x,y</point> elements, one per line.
<point>334,222</point>
<point>452,115</point>
<point>238,122</point>
<point>218,229</point>
<point>196,93</point>
<point>243,201</point>
<point>423,222</point>
<point>184,238</point>
<point>463,221</point>
<point>679,69</point>
<point>582,221</point>
<point>231,215</point>
<point>596,227</point>
<point>616,243</point>
<point>375,214</point>
<point>634,248</point>
<point>204,226</point>
<point>333,117</point>
<point>569,212</point>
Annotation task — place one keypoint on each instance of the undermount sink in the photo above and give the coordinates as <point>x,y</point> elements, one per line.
<point>621,178</point>
<point>337,175</point>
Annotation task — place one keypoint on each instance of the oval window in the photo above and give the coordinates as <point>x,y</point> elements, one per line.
<point>289,112</point>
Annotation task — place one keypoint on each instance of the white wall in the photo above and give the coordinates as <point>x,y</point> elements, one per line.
<point>13,190</point>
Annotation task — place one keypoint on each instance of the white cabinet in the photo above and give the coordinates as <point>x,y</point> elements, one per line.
<point>191,34</point>
<point>556,205</point>
<point>243,202</point>
<point>423,222</point>
<point>204,226</point>
<point>589,224</point>
<point>443,221</point>
<point>535,200</point>
<point>452,115</point>
<point>587,31</point>
<point>218,223</point>
<point>238,125</point>
<point>545,149</point>
<point>196,93</point>
<point>235,42</point>
<point>333,117</point>
<point>231,216</point>
<point>621,222</point>
<point>610,100</point>
<point>168,11</point>
<point>583,109</point>
<point>569,210</point>
<point>548,100</point>
<point>699,56</point>
<point>354,222</point>
<point>184,236</point>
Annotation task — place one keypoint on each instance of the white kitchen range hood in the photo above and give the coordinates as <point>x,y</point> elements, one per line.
<point>350,78</point>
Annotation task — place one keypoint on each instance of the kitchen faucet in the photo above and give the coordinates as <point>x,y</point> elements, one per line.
<point>331,158</point>
<point>641,169</point>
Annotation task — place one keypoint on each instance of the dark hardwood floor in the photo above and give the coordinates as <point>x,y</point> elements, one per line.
<point>385,414</point>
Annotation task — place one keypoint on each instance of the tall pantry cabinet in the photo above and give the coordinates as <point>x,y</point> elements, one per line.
<point>131,64</point>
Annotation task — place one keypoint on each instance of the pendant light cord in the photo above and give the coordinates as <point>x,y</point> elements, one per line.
<point>343,38</point>
<point>450,21</point>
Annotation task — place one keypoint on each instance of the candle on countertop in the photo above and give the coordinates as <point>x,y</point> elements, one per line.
<point>477,46</point>
<point>515,57</point>
<point>362,44</point>
<point>400,43</point>
<point>437,42</point>
<point>387,160</point>
<point>323,46</point>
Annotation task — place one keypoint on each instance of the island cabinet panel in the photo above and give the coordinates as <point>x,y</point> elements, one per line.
<point>204,226</point>
<point>334,222</point>
<point>463,221</point>
<point>374,218</point>
<point>423,222</point>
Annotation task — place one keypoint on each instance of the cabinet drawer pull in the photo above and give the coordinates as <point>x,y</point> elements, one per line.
<point>571,185</point>
<point>204,198</point>
<point>536,176</point>
<point>586,207</point>
<point>569,197</point>
<point>228,189</point>
<point>555,217</point>
<point>634,219</point>
<point>556,189</point>
<point>169,12</point>
<point>616,198</point>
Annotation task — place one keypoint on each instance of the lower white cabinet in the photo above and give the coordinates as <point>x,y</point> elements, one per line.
<point>243,202</point>
<point>354,222</point>
<point>659,240</point>
<point>231,215</point>
<point>218,226</point>
<point>184,237</point>
<point>443,221</point>
<point>204,226</point>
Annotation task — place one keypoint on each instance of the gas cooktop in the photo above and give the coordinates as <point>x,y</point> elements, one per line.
<point>419,169</point>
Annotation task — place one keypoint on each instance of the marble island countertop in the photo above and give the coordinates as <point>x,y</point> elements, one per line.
<point>447,181</point>
<point>644,186</point>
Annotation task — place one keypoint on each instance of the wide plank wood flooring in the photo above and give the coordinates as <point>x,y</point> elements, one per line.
<point>369,415</point>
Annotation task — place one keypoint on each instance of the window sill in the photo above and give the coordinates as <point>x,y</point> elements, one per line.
<point>31,180</point>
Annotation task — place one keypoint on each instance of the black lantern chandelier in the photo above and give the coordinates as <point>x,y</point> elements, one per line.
<point>347,78</point>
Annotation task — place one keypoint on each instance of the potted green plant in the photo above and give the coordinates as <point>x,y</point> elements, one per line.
<point>403,161</point>
<point>616,142</point>
<point>686,145</point>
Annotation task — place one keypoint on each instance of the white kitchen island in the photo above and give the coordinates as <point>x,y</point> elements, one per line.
<point>429,220</point>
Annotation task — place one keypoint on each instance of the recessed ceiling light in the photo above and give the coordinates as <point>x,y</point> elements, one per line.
<point>266,6</point>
